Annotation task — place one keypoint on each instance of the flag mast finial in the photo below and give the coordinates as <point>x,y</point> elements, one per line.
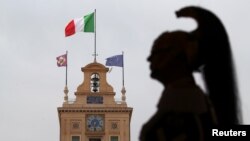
<point>66,91</point>
<point>123,85</point>
<point>122,68</point>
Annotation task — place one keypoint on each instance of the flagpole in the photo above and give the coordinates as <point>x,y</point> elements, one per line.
<point>123,88</point>
<point>95,36</point>
<point>66,91</point>
<point>66,80</point>
<point>122,68</point>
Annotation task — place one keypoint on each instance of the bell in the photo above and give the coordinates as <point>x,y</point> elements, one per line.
<point>95,84</point>
<point>95,79</point>
<point>95,89</point>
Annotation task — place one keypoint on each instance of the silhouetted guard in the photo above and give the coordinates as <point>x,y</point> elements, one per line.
<point>184,111</point>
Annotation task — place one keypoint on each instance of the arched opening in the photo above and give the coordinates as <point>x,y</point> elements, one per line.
<point>95,82</point>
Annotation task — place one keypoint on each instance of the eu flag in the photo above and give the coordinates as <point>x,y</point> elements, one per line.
<point>116,60</point>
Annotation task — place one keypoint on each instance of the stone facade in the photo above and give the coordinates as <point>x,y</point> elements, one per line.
<point>95,115</point>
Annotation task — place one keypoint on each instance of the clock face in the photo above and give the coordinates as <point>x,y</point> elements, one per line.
<point>95,123</point>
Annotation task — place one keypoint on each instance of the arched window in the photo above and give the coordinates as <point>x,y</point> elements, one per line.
<point>95,82</point>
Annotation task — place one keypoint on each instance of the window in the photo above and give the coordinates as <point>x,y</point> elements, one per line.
<point>75,138</point>
<point>114,138</point>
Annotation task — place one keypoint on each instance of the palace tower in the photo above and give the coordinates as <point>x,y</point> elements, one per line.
<point>94,115</point>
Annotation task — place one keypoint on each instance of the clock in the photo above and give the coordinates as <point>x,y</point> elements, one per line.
<point>95,123</point>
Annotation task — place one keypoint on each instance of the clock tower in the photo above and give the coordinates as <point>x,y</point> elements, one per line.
<point>94,115</point>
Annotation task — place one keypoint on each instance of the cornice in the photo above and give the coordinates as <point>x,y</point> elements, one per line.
<point>94,109</point>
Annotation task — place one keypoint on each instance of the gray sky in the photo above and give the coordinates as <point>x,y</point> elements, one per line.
<point>32,36</point>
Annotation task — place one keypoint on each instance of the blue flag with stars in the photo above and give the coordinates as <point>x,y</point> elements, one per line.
<point>116,60</point>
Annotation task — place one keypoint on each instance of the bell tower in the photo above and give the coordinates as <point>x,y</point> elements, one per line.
<point>94,115</point>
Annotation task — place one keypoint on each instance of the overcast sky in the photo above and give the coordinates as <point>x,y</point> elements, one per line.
<point>32,36</point>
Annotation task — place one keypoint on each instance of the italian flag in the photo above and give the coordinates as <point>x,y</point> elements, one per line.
<point>83,24</point>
